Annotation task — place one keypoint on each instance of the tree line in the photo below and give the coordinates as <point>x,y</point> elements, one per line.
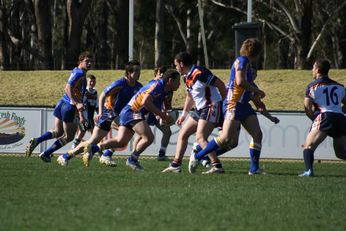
<point>50,34</point>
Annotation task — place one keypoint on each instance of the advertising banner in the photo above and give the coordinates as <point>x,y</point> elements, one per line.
<point>283,140</point>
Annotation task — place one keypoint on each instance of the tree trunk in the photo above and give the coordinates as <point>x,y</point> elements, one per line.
<point>44,33</point>
<point>77,12</point>
<point>159,34</point>
<point>4,56</point>
<point>304,37</point>
<point>121,37</point>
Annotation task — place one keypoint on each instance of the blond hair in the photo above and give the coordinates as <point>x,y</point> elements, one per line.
<point>251,47</point>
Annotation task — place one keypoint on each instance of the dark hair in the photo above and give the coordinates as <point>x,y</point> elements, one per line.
<point>129,66</point>
<point>323,66</point>
<point>162,70</point>
<point>83,55</point>
<point>184,57</point>
<point>251,47</point>
<point>91,76</point>
<point>170,74</point>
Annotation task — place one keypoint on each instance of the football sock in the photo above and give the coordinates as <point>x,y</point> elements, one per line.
<point>217,164</point>
<point>221,151</point>
<point>108,152</point>
<point>255,152</point>
<point>95,148</point>
<point>175,163</point>
<point>134,155</point>
<point>55,146</point>
<point>66,156</point>
<point>162,151</point>
<point>211,146</point>
<point>308,158</point>
<point>45,136</point>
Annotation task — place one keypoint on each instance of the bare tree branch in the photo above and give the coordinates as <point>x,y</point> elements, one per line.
<point>170,11</point>
<point>319,36</point>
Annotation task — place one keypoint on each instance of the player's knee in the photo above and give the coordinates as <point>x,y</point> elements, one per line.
<point>257,137</point>
<point>232,145</point>
<point>341,154</point>
<point>56,134</point>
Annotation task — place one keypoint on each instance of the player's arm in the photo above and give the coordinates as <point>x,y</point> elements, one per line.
<point>167,103</point>
<point>187,107</point>
<point>75,101</point>
<point>221,87</point>
<point>101,102</point>
<point>242,82</point>
<point>309,108</point>
<point>344,103</point>
<point>261,108</point>
<point>150,106</point>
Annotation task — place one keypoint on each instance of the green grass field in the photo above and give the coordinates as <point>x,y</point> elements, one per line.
<point>284,88</point>
<point>39,196</point>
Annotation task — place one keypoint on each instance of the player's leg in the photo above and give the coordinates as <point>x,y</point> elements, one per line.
<point>123,137</point>
<point>314,138</point>
<point>143,130</point>
<point>55,133</point>
<point>339,144</point>
<point>186,131</point>
<point>97,135</point>
<point>227,139</point>
<point>78,138</point>
<point>251,125</point>
<point>106,156</point>
<point>166,135</point>
<point>204,129</point>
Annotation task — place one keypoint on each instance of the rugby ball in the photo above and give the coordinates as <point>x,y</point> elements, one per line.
<point>174,114</point>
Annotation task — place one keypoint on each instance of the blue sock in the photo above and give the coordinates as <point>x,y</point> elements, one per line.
<point>134,156</point>
<point>45,136</point>
<point>55,146</point>
<point>221,151</point>
<point>95,148</point>
<point>108,152</point>
<point>254,159</point>
<point>66,156</point>
<point>211,146</point>
<point>308,158</point>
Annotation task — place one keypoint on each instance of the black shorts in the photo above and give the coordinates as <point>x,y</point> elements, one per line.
<point>333,124</point>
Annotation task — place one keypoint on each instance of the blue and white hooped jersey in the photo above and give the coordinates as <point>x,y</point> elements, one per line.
<point>118,94</point>
<point>236,93</point>
<point>78,83</point>
<point>326,94</point>
<point>200,84</point>
<point>155,89</point>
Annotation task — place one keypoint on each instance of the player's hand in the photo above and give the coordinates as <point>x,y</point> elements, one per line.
<point>80,107</point>
<point>97,117</point>
<point>275,120</point>
<point>260,93</point>
<point>180,120</point>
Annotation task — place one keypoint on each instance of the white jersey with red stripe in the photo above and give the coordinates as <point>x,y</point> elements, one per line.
<point>200,84</point>
<point>326,94</point>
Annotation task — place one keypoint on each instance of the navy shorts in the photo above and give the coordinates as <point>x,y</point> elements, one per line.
<point>334,124</point>
<point>212,114</point>
<point>66,112</point>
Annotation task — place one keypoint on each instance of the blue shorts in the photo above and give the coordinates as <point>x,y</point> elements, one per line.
<point>66,112</point>
<point>129,118</point>
<point>106,120</point>
<point>239,112</point>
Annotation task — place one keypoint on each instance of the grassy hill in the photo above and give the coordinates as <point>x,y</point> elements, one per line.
<point>284,88</point>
